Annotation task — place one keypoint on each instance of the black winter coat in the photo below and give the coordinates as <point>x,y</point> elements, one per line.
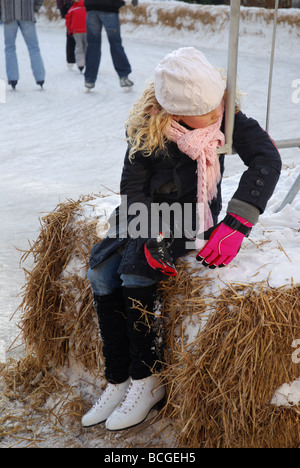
<point>112,6</point>
<point>172,179</point>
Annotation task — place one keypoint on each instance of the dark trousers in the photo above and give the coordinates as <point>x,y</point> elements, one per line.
<point>70,44</point>
<point>70,49</point>
<point>95,22</point>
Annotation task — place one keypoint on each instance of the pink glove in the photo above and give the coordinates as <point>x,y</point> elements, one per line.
<point>225,241</point>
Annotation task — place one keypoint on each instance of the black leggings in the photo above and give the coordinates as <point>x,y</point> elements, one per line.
<point>128,331</point>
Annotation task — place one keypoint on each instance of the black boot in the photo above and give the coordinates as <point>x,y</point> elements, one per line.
<point>113,329</point>
<point>141,329</point>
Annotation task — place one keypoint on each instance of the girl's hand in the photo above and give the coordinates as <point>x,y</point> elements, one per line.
<point>158,257</point>
<point>224,242</point>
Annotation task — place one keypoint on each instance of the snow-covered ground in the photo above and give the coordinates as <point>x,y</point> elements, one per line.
<point>63,142</point>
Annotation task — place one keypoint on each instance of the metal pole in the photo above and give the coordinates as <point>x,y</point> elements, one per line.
<point>232,73</point>
<point>291,194</point>
<point>283,143</point>
<point>272,64</point>
<point>292,143</point>
<point>232,79</point>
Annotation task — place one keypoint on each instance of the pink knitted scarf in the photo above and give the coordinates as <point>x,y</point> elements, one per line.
<point>201,145</point>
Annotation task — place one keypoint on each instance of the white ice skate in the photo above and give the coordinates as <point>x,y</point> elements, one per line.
<point>142,395</point>
<point>110,399</point>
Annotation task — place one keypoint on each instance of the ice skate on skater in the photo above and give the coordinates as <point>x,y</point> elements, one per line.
<point>110,399</point>
<point>125,82</point>
<point>141,397</point>
<point>13,83</point>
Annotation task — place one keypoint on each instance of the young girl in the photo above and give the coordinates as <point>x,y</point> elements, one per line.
<point>173,134</point>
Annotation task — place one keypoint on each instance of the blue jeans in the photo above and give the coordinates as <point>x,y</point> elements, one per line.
<point>105,279</point>
<point>28,30</point>
<point>95,21</point>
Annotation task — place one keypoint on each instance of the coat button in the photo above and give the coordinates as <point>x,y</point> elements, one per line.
<point>260,183</point>
<point>264,171</point>
<point>255,193</point>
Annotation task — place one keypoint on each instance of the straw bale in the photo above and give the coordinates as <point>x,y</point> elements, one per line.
<point>188,17</point>
<point>57,307</point>
<point>220,377</point>
<point>221,384</point>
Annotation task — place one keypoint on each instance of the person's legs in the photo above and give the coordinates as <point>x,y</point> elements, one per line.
<point>125,307</point>
<point>126,332</point>
<point>80,50</point>
<point>28,30</point>
<point>121,63</point>
<point>93,50</point>
<point>12,69</point>
<point>110,306</point>
<point>140,309</point>
<point>144,391</point>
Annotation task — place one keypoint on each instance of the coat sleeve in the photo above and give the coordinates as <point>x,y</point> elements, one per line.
<point>135,186</point>
<point>263,161</point>
<point>68,18</point>
<point>135,180</point>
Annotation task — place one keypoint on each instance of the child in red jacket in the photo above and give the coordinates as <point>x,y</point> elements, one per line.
<point>76,26</point>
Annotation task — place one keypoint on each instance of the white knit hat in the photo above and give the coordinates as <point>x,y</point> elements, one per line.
<point>187,84</point>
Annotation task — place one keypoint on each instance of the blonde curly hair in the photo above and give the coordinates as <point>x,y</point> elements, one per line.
<point>147,124</point>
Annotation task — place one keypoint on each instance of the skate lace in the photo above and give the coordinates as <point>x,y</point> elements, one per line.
<point>105,395</point>
<point>132,396</point>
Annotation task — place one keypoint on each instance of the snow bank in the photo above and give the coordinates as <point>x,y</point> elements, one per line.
<point>210,25</point>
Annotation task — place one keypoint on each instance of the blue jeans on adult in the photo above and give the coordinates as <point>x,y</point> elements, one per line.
<point>105,279</point>
<point>28,30</point>
<point>95,21</point>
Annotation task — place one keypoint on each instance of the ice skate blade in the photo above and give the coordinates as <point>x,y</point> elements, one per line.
<point>94,425</point>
